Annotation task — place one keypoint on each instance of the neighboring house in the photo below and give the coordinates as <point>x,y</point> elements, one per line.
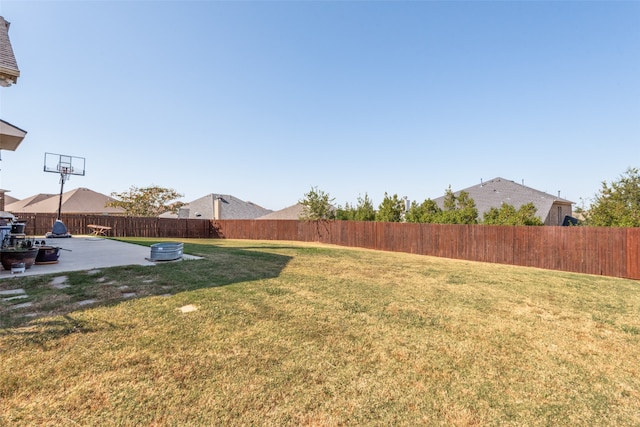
<point>292,212</point>
<point>492,194</point>
<point>20,205</point>
<point>10,136</point>
<point>218,206</point>
<point>8,199</point>
<point>78,201</point>
<point>5,199</point>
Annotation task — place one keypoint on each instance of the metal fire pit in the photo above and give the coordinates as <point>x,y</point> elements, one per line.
<point>167,251</point>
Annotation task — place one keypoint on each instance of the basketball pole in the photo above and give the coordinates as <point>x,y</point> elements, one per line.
<point>63,178</point>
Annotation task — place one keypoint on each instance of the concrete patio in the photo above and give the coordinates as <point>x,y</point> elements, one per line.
<point>80,253</point>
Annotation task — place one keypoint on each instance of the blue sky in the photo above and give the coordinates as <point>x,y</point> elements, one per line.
<point>266,99</point>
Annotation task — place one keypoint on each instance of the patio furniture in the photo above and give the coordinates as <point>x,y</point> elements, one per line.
<point>99,230</point>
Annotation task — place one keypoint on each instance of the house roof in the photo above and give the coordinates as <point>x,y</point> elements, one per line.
<point>9,71</point>
<point>230,207</point>
<point>9,199</point>
<point>21,205</point>
<point>291,212</point>
<point>80,200</point>
<point>10,135</point>
<point>493,193</point>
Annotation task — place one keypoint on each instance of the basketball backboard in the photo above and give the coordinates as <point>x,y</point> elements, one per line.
<point>63,164</point>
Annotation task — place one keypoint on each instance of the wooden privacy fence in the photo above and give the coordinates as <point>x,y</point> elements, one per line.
<point>121,226</point>
<point>604,251</point>
<point>593,250</point>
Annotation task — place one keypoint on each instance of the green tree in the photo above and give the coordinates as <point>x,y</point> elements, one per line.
<point>363,211</point>
<point>347,213</point>
<point>391,209</point>
<point>459,209</point>
<point>317,205</point>
<point>500,216</point>
<point>617,204</point>
<point>147,201</point>
<point>426,212</point>
<point>467,213</point>
<point>508,215</point>
<point>449,203</point>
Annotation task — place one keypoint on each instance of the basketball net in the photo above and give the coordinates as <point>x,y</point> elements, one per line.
<point>64,174</point>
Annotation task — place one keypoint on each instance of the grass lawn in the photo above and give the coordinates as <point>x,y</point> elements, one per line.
<point>283,333</point>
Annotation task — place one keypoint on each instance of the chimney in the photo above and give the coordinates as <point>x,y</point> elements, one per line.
<point>217,207</point>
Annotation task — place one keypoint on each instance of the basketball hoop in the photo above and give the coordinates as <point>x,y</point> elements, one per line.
<point>65,166</point>
<point>64,174</point>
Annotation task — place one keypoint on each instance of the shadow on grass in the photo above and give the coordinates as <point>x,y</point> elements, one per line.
<point>50,329</point>
<point>219,266</point>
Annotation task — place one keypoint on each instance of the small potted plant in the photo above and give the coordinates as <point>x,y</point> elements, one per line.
<point>22,252</point>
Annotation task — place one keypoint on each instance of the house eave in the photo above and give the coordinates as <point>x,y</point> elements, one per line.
<point>8,76</point>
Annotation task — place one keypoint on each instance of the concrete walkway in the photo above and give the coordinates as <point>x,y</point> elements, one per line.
<point>79,253</point>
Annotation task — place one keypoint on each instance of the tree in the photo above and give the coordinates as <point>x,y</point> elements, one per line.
<point>317,205</point>
<point>459,209</point>
<point>391,209</point>
<point>426,212</point>
<point>363,211</point>
<point>347,213</point>
<point>617,204</point>
<point>467,213</point>
<point>508,215</point>
<point>148,201</point>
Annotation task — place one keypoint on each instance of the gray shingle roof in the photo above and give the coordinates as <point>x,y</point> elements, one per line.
<point>9,71</point>
<point>230,207</point>
<point>493,193</point>
<point>292,212</point>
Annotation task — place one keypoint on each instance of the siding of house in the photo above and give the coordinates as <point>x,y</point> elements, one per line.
<point>557,213</point>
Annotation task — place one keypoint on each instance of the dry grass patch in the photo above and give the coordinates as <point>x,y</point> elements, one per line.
<point>297,334</point>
